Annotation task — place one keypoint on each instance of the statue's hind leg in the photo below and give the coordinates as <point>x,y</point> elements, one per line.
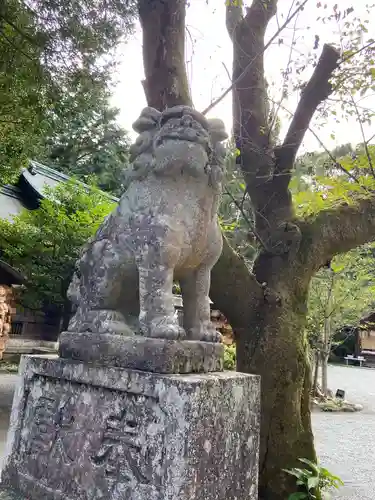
<point>101,272</point>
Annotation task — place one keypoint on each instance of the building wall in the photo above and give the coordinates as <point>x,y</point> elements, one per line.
<point>368,340</point>
<point>6,309</point>
<point>34,325</point>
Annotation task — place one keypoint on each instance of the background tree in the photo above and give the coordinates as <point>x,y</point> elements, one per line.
<point>85,140</point>
<point>267,307</point>
<point>49,49</point>
<point>44,244</point>
<point>340,294</point>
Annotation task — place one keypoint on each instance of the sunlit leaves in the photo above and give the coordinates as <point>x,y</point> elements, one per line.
<point>329,186</point>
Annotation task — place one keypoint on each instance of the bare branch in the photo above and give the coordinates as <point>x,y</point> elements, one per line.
<point>276,112</point>
<point>369,159</point>
<point>370,139</point>
<point>317,90</point>
<point>326,150</point>
<point>361,49</point>
<point>245,217</point>
<point>249,66</point>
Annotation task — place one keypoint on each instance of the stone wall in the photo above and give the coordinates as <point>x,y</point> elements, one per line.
<point>6,311</point>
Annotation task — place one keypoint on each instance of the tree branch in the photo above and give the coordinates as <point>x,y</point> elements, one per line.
<point>339,230</point>
<point>233,17</point>
<point>261,10</point>
<point>316,91</point>
<point>233,300</point>
<point>258,55</point>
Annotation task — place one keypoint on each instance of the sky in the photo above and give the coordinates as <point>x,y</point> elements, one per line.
<point>209,58</point>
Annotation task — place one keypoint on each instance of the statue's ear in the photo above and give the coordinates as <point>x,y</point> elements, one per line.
<point>216,129</point>
<point>149,119</point>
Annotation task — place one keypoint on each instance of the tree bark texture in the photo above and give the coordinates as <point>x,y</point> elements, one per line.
<point>163,27</point>
<point>266,307</point>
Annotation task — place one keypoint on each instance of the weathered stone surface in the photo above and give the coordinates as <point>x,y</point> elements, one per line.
<point>6,494</point>
<point>143,353</point>
<point>81,432</point>
<point>165,228</point>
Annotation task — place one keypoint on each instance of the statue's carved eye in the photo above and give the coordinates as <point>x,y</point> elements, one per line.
<point>187,121</point>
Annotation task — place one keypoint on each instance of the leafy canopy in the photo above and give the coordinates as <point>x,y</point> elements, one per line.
<point>49,50</point>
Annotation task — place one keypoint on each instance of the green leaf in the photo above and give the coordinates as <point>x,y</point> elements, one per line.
<point>311,464</point>
<point>298,496</point>
<point>312,482</point>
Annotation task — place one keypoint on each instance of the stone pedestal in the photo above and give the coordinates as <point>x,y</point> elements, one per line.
<point>85,432</point>
<point>142,353</point>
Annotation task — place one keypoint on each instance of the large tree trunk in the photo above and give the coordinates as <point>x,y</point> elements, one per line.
<point>277,350</point>
<point>270,342</point>
<point>266,308</point>
<point>163,28</point>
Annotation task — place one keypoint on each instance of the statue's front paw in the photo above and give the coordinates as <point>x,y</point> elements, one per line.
<point>212,335</point>
<point>164,330</point>
<point>205,333</point>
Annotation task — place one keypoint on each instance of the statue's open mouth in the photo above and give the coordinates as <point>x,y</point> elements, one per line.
<point>183,134</point>
<point>183,124</point>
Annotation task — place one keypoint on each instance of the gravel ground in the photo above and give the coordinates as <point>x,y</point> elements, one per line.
<point>7,384</point>
<point>345,441</point>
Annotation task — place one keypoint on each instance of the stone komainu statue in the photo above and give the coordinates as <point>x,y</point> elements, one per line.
<point>164,228</point>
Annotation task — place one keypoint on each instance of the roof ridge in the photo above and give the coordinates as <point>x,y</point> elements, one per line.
<point>11,190</point>
<point>45,169</point>
<point>60,177</point>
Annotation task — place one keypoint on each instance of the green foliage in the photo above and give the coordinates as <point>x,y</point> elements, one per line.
<point>312,480</point>
<point>230,357</point>
<point>44,244</point>
<point>326,184</point>
<point>49,49</point>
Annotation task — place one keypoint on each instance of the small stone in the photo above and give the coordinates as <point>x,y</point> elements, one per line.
<point>348,408</point>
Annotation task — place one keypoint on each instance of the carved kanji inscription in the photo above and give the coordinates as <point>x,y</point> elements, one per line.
<point>75,435</point>
<point>121,451</point>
